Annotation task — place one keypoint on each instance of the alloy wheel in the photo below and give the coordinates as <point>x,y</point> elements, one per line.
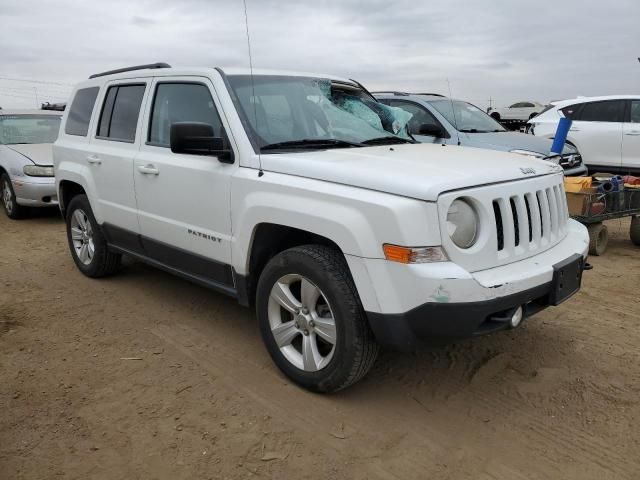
<point>82,236</point>
<point>7,197</point>
<point>302,323</point>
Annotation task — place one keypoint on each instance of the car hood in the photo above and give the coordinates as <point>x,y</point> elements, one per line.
<point>421,171</point>
<point>508,141</point>
<point>40,154</point>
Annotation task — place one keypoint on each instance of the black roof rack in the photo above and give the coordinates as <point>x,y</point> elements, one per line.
<point>430,94</point>
<point>59,107</point>
<point>392,92</point>
<point>130,69</point>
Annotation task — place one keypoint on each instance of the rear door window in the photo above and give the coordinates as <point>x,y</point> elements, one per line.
<point>604,111</point>
<point>120,112</point>
<point>572,111</point>
<point>80,111</point>
<point>635,111</point>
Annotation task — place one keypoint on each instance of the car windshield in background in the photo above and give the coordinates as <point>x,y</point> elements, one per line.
<point>289,112</point>
<point>20,129</point>
<point>466,117</point>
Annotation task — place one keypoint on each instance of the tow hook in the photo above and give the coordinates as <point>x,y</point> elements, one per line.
<point>587,266</point>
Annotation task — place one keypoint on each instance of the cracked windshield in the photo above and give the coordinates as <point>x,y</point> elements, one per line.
<point>288,112</point>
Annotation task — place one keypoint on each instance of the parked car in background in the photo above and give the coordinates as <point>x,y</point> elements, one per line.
<point>437,119</point>
<point>26,162</point>
<point>518,112</point>
<point>605,130</point>
<point>304,197</point>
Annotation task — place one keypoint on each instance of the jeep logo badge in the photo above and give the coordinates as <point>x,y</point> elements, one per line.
<point>527,171</point>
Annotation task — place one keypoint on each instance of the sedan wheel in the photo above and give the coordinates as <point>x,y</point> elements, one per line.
<point>7,197</point>
<point>13,210</point>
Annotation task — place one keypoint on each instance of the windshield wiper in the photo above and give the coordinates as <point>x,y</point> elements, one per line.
<point>312,143</point>
<point>388,140</point>
<point>473,130</point>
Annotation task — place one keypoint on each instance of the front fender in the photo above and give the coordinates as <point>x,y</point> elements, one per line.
<point>359,221</point>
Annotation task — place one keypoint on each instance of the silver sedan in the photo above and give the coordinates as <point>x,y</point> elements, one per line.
<point>26,163</point>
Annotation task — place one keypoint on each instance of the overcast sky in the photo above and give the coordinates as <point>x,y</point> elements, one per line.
<point>504,49</point>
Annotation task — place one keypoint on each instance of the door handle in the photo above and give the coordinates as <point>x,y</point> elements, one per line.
<point>633,132</point>
<point>94,159</point>
<point>574,129</point>
<point>148,169</point>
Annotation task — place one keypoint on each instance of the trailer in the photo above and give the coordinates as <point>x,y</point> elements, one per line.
<point>593,209</point>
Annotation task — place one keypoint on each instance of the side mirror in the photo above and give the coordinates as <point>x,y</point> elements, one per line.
<point>431,130</point>
<point>196,138</point>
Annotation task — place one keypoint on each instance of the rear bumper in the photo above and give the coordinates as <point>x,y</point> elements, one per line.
<point>404,331</point>
<point>36,192</point>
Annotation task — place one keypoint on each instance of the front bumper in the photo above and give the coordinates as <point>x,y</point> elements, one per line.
<point>410,302</point>
<point>35,191</point>
<point>457,320</point>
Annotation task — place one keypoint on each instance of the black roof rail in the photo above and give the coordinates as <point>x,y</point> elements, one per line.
<point>130,69</point>
<point>392,92</point>
<point>430,94</point>
<point>59,107</point>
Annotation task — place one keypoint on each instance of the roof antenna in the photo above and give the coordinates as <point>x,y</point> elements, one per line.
<point>253,90</point>
<point>453,111</point>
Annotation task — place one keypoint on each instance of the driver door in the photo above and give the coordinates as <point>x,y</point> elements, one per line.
<point>184,200</point>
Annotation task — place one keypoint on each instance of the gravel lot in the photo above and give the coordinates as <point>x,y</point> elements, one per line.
<point>144,375</point>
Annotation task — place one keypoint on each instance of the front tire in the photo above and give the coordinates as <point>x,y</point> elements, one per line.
<point>86,241</point>
<point>8,198</point>
<point>312,321</point>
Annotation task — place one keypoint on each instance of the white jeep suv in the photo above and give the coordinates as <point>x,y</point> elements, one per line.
<point>301,195</point>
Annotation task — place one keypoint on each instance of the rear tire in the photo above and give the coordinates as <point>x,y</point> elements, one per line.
<point>634,231</point>
<point>86,241</point>
<point>306,299</point>
<point>598,238</point>
<point>8,199</point>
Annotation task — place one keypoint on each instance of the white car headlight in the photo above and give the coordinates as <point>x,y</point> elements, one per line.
<point>462,223</point>
<point>38,171</point>
<point>528,153</point>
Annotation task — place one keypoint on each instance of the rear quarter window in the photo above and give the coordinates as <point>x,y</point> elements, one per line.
<point>571,111</point>
<point>80,111</point>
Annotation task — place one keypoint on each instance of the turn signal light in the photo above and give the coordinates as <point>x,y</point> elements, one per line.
<point>396,253</point>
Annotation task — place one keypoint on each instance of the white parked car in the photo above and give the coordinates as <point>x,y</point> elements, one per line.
<point>605,130</point>
<point>518,112</point>
<point>26,162</point>
<point>302,196</point>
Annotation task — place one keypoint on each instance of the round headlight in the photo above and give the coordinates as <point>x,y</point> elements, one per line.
<point>462,223</point>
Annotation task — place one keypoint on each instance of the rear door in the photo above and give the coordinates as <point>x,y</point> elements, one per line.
<point>114,146</point>
<point>184,200</point>
<point>597,132</point>
<point>631,138</point>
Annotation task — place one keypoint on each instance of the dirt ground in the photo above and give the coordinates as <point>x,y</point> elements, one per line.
<point>146,376</point>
